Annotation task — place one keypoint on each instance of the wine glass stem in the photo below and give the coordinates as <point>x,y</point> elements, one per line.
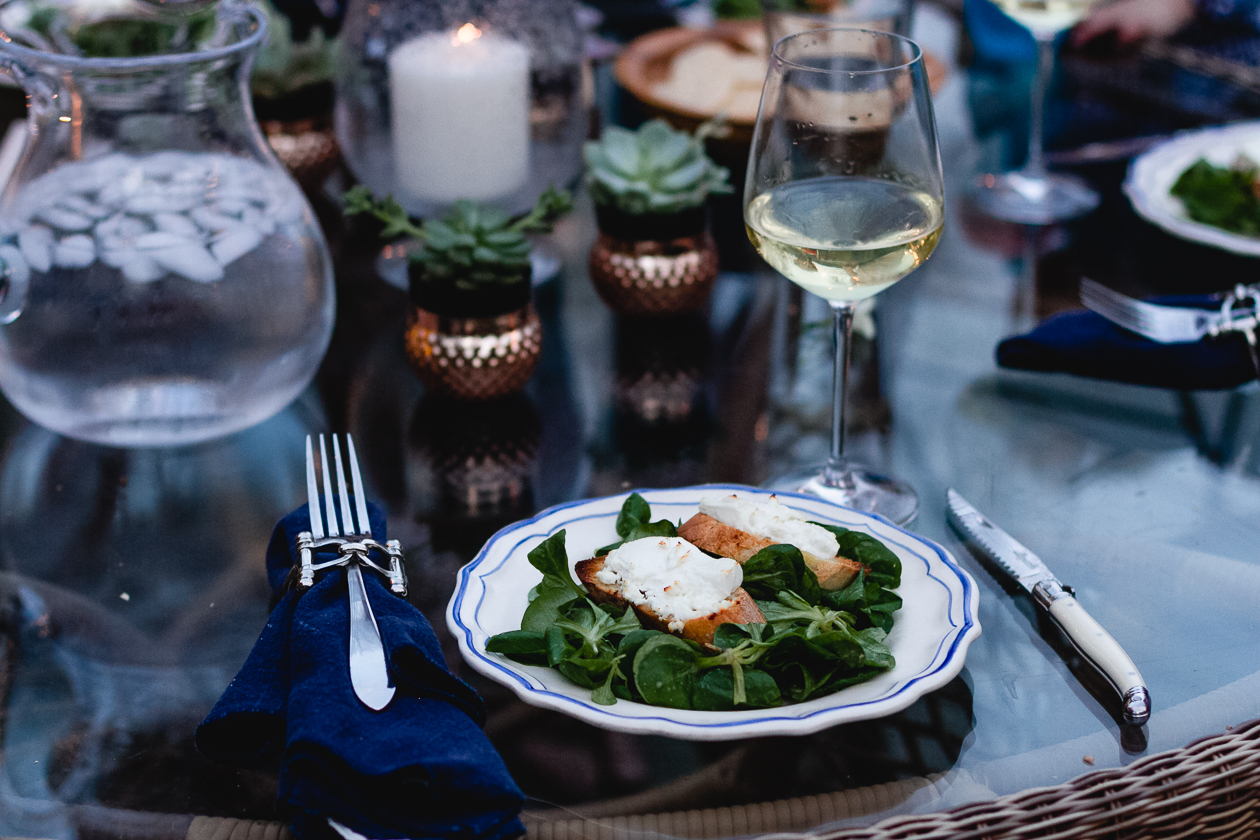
<point>1036,165</point>
<point>837,473</point>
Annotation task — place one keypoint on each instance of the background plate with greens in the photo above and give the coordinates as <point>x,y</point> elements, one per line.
<point>933,629</point>
<point>1152,175</point>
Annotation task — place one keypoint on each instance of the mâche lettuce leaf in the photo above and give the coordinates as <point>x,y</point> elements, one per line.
<point>1222,196</point>
<point>814,642</point>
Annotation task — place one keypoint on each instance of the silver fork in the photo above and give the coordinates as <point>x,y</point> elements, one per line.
<point>1161,324</point>
<point>368,673</point>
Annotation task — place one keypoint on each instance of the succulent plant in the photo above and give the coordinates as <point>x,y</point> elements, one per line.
<point>655,170</point>
<point>473,246</point>
<point>110,30</point>
<point>284,65</point>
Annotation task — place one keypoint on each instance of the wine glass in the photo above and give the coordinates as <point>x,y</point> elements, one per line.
<point>844,197</point>
<point>1033,195</point>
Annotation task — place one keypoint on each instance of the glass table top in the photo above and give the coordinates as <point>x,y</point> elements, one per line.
<point>133,583</point>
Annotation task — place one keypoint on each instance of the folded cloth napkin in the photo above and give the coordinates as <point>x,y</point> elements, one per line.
<point>420,768</point>
<point>1086,344</point>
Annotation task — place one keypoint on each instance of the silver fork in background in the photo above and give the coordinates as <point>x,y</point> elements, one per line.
<point>1180,324</point>
<point>368,673</point>
<point>1161,324</point>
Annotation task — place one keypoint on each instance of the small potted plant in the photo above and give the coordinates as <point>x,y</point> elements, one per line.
<point>292,90</point>
<point>654,254</point>
<point>473,333</point>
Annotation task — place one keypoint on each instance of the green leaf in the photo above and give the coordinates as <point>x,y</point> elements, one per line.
<point>524,646</point>
<point>777,568</point>
<point>550,558</point>
<point>621,151</point>
<point>715,690</point>
<point>686,176</point>
<point>729,636</point>
<point>558,647</point>
<point>635,639</point>
<point>544,609</point>
<point>845,679</point>
<point>604,695</point>
<point>502,238</point>
<point>876,652</point>
<point>884,565</point>
<point>632,524</point>
<point>652,134</point>
<point>586,624</point>
<point>840,646</point>
<point>1224,197</point>
<point>586,672</point>
<point>439,236</point>
<point>672,150</point>
<point>665,672</point>
<point>634,512</point>
<point>492,218</point>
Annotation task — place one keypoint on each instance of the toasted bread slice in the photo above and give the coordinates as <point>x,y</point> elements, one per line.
<point>714,537</point>
<point>743,609</point>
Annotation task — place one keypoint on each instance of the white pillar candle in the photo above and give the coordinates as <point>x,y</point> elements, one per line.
<point>460,107</point>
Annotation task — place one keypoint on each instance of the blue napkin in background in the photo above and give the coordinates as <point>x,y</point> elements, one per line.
<point>421,768</point>
<point>1086,344</point>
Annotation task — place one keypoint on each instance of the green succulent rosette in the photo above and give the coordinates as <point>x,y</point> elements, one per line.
<point>654,170</point>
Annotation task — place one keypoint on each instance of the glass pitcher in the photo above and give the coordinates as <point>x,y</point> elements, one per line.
<point>164,279</point>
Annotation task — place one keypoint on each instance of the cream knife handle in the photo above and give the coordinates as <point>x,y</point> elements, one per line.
<point>1096,645</point>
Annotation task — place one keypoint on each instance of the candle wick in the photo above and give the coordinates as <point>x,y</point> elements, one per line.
<point>466,34</point>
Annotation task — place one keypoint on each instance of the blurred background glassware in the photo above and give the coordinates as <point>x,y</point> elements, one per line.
<point>788,17</point>
<point>844,197</point>
<point>1032,195</point>
<point>459,69</point>
<point>167,282</point>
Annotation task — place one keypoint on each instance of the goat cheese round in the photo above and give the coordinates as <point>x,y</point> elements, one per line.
<point>772,521</point>
<point>672,578</point>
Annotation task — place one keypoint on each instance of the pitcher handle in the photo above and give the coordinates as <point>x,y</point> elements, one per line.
<point>43,89</point>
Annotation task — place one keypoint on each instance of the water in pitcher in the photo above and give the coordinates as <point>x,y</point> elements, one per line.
<point>173,297</point>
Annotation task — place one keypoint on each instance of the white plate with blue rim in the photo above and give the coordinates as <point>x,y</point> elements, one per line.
<point>932,630</point>
<point>1152,174</point>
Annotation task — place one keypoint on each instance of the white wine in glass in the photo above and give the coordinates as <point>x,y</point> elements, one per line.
<point>844,239</point>
<point>844,197</point>
<point>1045,17</point>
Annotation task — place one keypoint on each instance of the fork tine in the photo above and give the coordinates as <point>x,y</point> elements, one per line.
<point>312,493</point>
<point>1133,310</point>
<point>1112,311</point>
<point>1114,306</point>
<point>348,525</point>
<point>356,480</point>
<point>334,529</point>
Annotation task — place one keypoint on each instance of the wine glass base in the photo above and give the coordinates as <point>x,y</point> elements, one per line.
<point>1033,200</point>
<point>869,492</point>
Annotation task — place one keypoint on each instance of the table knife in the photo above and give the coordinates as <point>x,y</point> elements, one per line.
<point>1086,634</point>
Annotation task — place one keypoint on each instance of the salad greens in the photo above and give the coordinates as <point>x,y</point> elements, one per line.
<point>814,642</point>
<point>1222,196</point>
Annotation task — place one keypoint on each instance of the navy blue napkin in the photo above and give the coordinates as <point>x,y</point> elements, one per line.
<point>421,768</point>
<point>1086,344</point>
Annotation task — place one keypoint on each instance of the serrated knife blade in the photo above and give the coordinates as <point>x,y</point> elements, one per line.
<point>1086,634</point>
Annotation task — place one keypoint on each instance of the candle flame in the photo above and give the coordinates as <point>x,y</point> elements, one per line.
<point>466,34</point>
